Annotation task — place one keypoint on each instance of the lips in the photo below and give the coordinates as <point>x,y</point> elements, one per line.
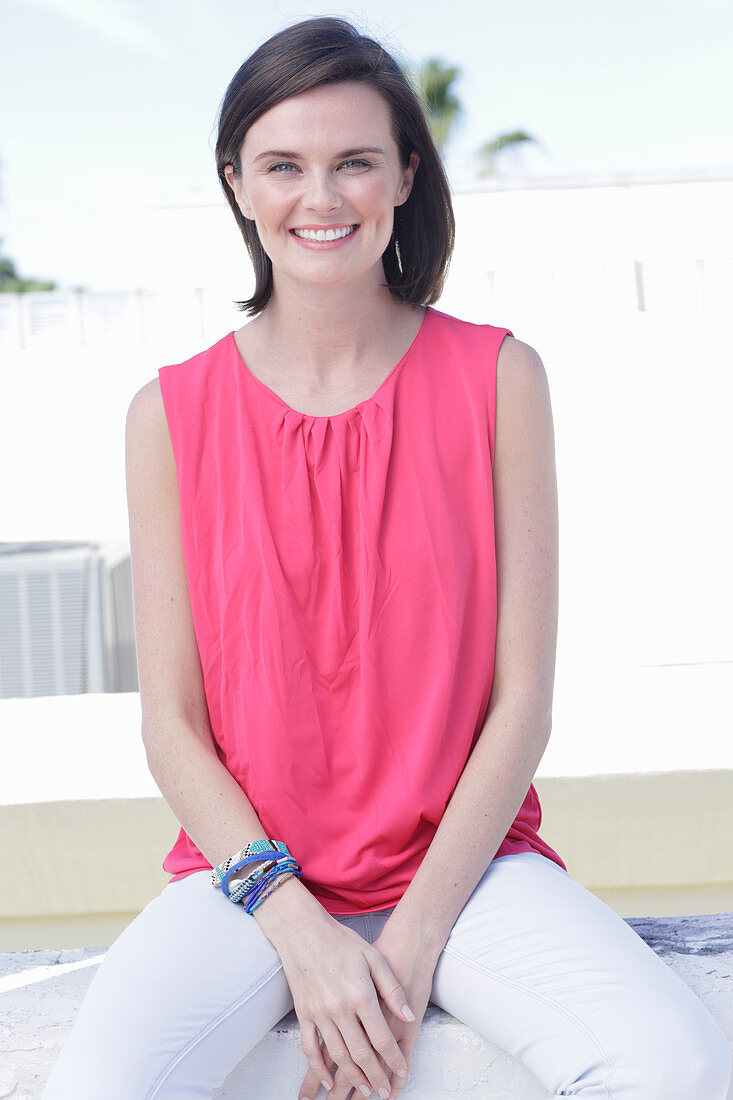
<point>324,233</point>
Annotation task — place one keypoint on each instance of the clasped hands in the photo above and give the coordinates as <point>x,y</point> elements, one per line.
<point>353,993</point>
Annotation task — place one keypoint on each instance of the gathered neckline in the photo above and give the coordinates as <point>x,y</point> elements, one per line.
<point>329,416</point>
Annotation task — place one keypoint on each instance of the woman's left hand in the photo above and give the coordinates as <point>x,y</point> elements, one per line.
<point>414,968</point>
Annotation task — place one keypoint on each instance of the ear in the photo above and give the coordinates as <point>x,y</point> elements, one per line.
<point>408,178</point>
<point>235,182</point>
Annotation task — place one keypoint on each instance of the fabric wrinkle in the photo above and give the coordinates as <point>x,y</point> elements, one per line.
<point>342,576</point>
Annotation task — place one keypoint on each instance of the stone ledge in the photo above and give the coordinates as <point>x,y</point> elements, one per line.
<point>43,990</point>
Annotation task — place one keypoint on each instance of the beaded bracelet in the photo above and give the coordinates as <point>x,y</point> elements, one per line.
<point>258,877</point>
<point>238,890</point>
<point>258,886</point>
<point>251,853</point>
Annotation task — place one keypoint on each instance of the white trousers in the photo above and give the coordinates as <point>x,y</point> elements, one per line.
<point>535,962</point>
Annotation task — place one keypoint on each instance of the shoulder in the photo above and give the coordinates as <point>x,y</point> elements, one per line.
<point>150,463</point>
<point>518,365</point>
<point>174,386</point>
<point>518,357</point>
<point>146,412</point>
<point>519,369</point>
<point>476,336</point>
<point>187,373</point>
<point>524,421</point>
<point>459,327</point>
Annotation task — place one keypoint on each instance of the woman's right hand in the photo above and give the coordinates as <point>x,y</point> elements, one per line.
<point>336,978</point>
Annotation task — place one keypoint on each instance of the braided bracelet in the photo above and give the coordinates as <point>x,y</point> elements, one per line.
<point>253,890</point>
<point>251,853</point>
<point>250,908</point>
<point>270,882</point>
<point>261,875</point>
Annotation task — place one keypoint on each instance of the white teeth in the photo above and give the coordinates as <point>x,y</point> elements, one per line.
<point>324,234</point>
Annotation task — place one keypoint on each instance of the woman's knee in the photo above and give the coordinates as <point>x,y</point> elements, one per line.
<point>698,1065</point>
<point>681,1064</point>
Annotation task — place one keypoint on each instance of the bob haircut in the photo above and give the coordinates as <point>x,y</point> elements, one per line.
<point>329,51</point>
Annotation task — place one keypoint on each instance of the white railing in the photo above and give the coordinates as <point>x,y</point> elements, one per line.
<point>92,316</point>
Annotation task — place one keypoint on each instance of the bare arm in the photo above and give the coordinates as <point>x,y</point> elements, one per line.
<point>334,975</point>
<point>513,739</point>
<point>204,796</point>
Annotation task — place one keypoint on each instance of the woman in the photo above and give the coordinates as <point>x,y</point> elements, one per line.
<point>343,524</point>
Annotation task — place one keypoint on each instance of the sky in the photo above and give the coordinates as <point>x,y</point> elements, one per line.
<point>107,106</point>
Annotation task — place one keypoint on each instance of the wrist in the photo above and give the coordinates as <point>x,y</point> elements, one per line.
<point>283,911</point>
<point>413,937</point>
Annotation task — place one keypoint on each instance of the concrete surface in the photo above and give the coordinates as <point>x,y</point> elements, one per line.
<point>40,992</point>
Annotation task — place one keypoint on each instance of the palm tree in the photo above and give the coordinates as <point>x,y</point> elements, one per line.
<point>433,82</point>
<point>491,151</point>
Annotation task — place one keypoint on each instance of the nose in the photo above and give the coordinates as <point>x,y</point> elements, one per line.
<point>322,193</point>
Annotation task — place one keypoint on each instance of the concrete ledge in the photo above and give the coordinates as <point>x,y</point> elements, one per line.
<point>43,990</point>
<point>662,835</point>
<point>76,787</point>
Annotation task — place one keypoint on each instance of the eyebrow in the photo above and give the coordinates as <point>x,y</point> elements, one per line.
<point>297,156</point>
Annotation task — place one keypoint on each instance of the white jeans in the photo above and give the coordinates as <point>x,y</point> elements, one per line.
<point>535,962</point>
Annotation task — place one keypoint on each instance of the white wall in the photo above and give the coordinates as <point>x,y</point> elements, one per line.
<point>641,402</point>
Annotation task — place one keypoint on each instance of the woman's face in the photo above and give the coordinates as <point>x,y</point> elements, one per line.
<point>321,177</point>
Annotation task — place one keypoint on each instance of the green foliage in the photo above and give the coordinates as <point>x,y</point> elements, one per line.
<point>12,283</point>
<point>433,83</point>
<point>492,150</point>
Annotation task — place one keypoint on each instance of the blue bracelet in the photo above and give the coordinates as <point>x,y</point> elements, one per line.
<point>240,889</point>
<point>266,847</point>
<point>250,908</point>
<point>244,863</point>
<point>257,896</point>
<point>283,866</point>
<point>264,879</point>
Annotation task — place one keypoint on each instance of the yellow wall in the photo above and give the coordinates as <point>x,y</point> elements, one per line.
<point>658,844</point>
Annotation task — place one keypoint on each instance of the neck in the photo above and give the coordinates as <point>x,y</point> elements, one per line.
<point>333,330</point>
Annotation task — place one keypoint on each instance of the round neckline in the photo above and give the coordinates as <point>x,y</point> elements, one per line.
<point>329,416</point>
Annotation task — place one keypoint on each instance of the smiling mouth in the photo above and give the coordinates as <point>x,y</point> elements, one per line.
<point>326,234</point>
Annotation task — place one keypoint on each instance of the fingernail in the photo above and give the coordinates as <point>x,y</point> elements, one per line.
<point>402,1073</point>
<point>365,1089</point>
<point>384,1093</point>
<point>407,1013</point>
<point>326,1084</point>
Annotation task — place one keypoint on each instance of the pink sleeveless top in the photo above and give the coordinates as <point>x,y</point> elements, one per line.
<point>342,578</point>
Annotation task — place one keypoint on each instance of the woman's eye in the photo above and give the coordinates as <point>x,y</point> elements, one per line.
<point>285,168</point>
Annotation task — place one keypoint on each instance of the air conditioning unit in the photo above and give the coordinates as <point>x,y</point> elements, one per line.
<point>66,618</point>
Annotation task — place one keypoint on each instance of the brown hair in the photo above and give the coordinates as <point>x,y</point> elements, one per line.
<point>328,51</point>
